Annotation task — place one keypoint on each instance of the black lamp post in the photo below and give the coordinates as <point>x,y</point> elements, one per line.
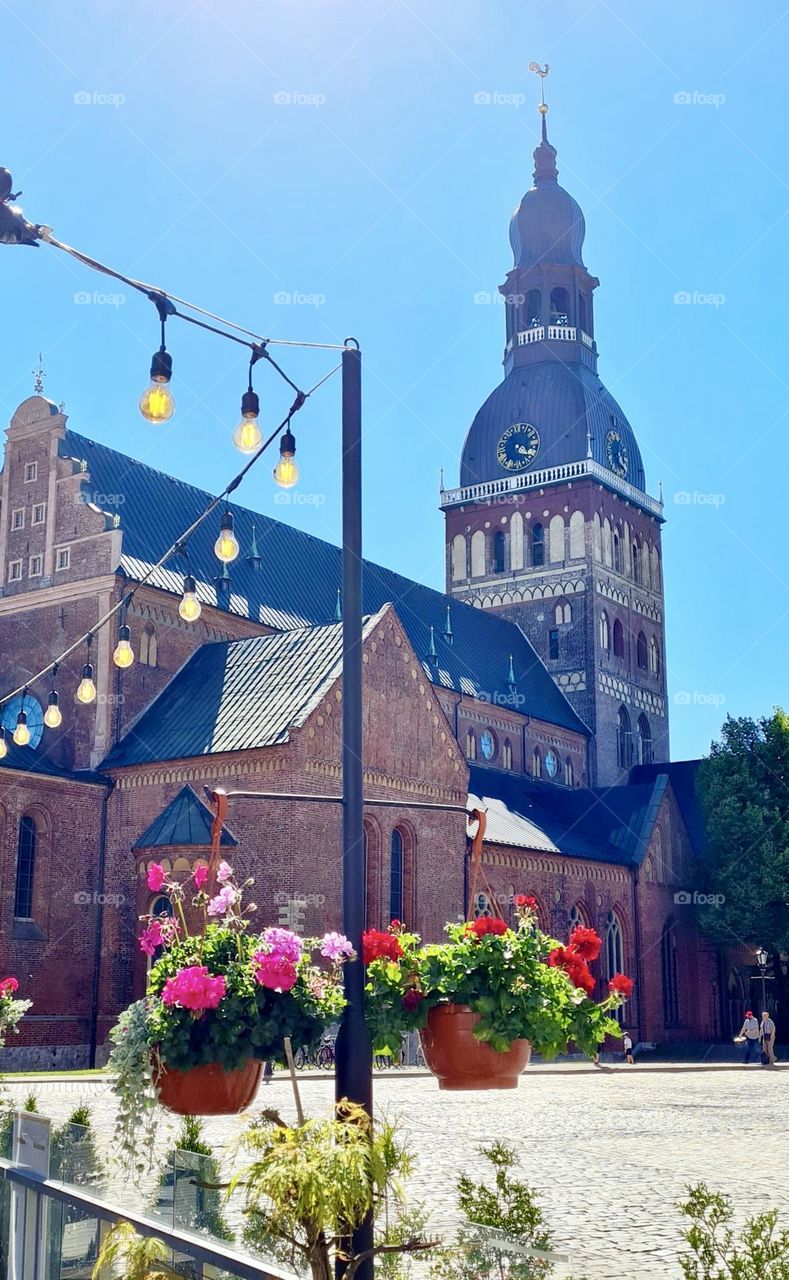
<point>762,958</point>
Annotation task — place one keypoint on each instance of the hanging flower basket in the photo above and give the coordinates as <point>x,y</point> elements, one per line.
<point>460,1061</point>
<point>208,1090</point>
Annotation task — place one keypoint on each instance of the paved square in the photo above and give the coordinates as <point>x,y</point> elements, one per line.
<point>610,1153</point>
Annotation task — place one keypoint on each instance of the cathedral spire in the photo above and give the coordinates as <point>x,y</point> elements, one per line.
<point>545,155</point>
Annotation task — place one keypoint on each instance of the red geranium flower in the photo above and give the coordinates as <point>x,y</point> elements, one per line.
<point>557,957</point>
<point>587,942</point>
<point>526,900</point>
<point>622,985</point>
<point>487,924</point>
<point>377,945</point>
<point>8,986</point>
<point>577,971</point>
<point>412,999</point>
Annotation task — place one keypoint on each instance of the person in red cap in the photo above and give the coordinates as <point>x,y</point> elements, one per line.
<point>750,1034</point>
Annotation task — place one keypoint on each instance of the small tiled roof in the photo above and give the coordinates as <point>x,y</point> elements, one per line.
<point>604,825</point>
<point>29,760</point>
<point>297,585</point>
<point>236,695</point>
<point>185,821</point>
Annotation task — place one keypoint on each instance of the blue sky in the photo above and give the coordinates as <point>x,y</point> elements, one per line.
<point>337,155</point>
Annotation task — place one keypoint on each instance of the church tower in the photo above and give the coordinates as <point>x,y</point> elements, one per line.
<point>552,524</point>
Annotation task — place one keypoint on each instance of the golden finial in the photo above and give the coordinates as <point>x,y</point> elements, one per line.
<point>542,73</point>
<point>38,374</point>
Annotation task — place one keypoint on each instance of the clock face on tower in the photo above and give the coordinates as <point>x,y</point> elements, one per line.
<point>518,446</point>
<point>617,454</point>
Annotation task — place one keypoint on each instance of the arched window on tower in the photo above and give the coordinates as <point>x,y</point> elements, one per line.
<point>537,545</point>
<point>532,312</point>
<point>562,614</point>
<point>645,570</point>
<point>516,542</point>
<point>605,634</point>
<point>471,745</point>
<point>669,973</point>
<point>459,567</point>
<point>478,554</point>
<point>619,639</point>
<point>655,569</point>
<point>623,739</point>
<point>654,656</point>
<point>636,563</point>
<point>617,552</point>
<point>614,953</point>
<point>536,763</point>
<point>583,320</point>
<point>506,754</point>
<point>149,646</point>
<point>560,306</point>
<point>569,773</point>
<point>396,877</point>
<point>25,869</point>
<point>577,535</point>
<point>161,906</point>
<point>642,658</point>
<point>644,740</point>
<point>498,552</point>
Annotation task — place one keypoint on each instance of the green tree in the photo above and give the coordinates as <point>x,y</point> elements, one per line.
<point>743,787</point>
<point>759,1252</point>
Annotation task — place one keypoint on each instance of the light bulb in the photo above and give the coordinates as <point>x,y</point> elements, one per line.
<point>286,472</point>
<point>247,436</point>
<point>190,607</point>
<point>123,656</point>
<point>156,402</point>
<point>86,689</point>
<point>52,716</point>
<point>226,546</point>
<point>21,732</point>
<point>3,744</point>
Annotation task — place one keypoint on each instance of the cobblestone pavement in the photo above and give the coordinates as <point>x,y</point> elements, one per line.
<point>610,1153</point>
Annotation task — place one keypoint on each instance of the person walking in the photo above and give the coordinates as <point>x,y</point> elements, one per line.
<point>627,1045</point>
<point>751,1034</point>
<point>767,1033</point>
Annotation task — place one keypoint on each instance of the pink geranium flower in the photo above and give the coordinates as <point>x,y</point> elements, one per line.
<point>156,877</point>
<point>194,988</point>
<point>224,873</point>
<point>335,946</point>
<point>151,938</point>
<point>221,904</point>
<point>200,875</point>
<point>8,986</point>
<point>274,970</point>
<point>284,943</point>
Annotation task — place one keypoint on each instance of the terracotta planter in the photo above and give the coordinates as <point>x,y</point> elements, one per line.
<point>460,1061</point>
<point>209,1090</point>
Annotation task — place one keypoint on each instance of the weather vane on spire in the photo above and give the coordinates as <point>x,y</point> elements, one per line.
<point>38,374</point>
<point>542,73</point>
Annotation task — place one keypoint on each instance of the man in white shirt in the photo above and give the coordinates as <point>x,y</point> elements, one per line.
<point>752,1036</point>
<point>767,1032</point>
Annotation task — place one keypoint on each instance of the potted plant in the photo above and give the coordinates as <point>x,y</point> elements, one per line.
<point>11,1009</point>
<point>220,1000</point>
<point>488,996</point>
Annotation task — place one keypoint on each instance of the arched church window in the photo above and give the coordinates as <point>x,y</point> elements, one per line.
<point>396,877</point>
<point>617,552</point>
<point>636,563</point>
<point>608,557</point>
<point>569,773</point>
<point>669,973</point>
<point>655,569</point>
<point>577,917</point>
<point>498,552</point>
<point>161,906</point>
<point>623,739</point>
<point>645,570</point>
<point>536,763</point>
<point>619,639</point>
<point>478,554</point>
<point>516,542</point>
<point>605,634</point>
<point>459,569</point>
<point>641,651</point>
<point>577,541</point>
<point>149,646</point>
<point>654,656</point>
<point>644,741</point>
<point>25,868</point>
<point>471,745</point>
<point>582,316</point>
<point>562,614</point>
<point>556,538</point>
<point>532,312</point>
<point>560,306</point>
<point>506,756</point>
<point>614,953</point>
<point>537,545</point>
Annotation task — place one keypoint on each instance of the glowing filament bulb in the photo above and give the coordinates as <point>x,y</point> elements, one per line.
<point>190,607</point>
<point>53,717</point>
<point>21,732</point>
<point>286,472</point>
<point>156,402</point>
<point>123,656</point>
<point>86,689</point>
<point>226,546</point>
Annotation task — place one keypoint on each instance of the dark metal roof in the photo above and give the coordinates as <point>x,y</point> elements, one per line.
<point>27,760</point>
<point>548,225</point>
<point>564,401</point>
<point>682,774</point>
<point>185,821</point>
<point>236,696</point>
<point>604,825</point>
<point>297,585</point>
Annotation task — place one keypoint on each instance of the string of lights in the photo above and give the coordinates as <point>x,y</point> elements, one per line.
<point>157,405</point>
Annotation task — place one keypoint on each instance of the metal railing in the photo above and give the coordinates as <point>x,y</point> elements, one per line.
<point>552,475</point>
